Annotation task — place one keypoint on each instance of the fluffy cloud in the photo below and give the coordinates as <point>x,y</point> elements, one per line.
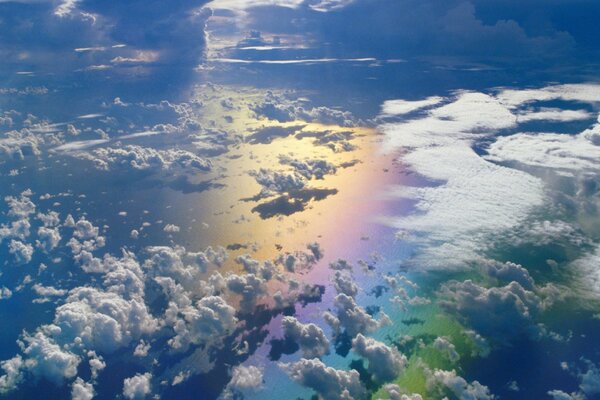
<point>447,348</point>
<point>102,320</point>
<point>352,318</point>
<point>312,340</point>
<point>208,321</point>
<point>137,387</point>
<point>81,390</point>
<point>133,157</point>
<point>328,382</point>
<point>22,252</point>
<point>244,381</point>
<point>458,386</point>
<point>498,312</point>
<point>385,363</point>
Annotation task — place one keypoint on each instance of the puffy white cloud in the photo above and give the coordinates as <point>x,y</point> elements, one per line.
<point>170,228</point>
<point>274,182</point>
<point>145,159</point>
<point>316,168</point>
<point>13,374</point>
<point>328,382</point>
<point>45,358</point>
<point>312,340</point>
<point>560,395</point>
<point>462,389</point>
<point>250,287</point>
<point>209,321</point>
<point>284,108</point>
<point>344,283</point>
<point>102,320</point>
<point>446,347</point>
<point>141,350</point>
<point>137,387</point>
<point>385,363</point>
<point>5,293</point>
<point>395,393</point>
<point>509,272</point>
<point>48,239</point>
<point>81,390</point>
<point>352,318</point>
<point>22,252</point>
<point>497,312</point>
<point>245,381</point>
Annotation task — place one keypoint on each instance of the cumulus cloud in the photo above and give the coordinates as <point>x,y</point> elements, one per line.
<point>137,387</point>
<point>497,312</point>
<point>385,363</point>
<point>81,390</point>
<point>310,338</point>
<point>329,383</point>
<point>22,252</point>
<point>209,321</point>
<point>244,381</point>
<point>458,386</point>
<point>134,157</point>
<point>352,318</point>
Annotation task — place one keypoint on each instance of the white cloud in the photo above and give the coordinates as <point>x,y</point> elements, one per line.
<point>312,340</point>
<point>497,312</point>
<point>45,358</point>
<point>586,93</point>
<point>474,198</point>
<point>137,387</point>
<point>569,153</point>
<point>81,390</point>
<point>22,252</point>
<point>245,381</point>
<point>352,318</point>
<point>400,107</point>
<point>329,383</point>
<point>462,389</point>
<point>385,363</point>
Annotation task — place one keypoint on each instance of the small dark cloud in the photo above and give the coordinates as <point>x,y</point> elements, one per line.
<point>267,134</point>
<point>292,203</point>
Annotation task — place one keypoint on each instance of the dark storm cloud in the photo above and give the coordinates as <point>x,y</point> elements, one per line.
<point>411,28</point>
<point>137,37</point>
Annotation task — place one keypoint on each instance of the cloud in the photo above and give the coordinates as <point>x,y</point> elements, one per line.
<point>447,348</point>
<point>312,340</point>
<point>45,358</point>
<point>22,252</point>
<point>500,313</point>
<point>137,387</point>
<point>385,363</point>
<point>457,385</point>
<point>557,151</point>
<point>43,30</point>
<point>329,383</point>
<point>209,321</point>
<point>133,157</point>
<point>352,318</point>
<point>476,198</point>
<point>81,390</point>
<point>245,381</point>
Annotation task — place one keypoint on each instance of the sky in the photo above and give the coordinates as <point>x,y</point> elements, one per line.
<point>308,199</point>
